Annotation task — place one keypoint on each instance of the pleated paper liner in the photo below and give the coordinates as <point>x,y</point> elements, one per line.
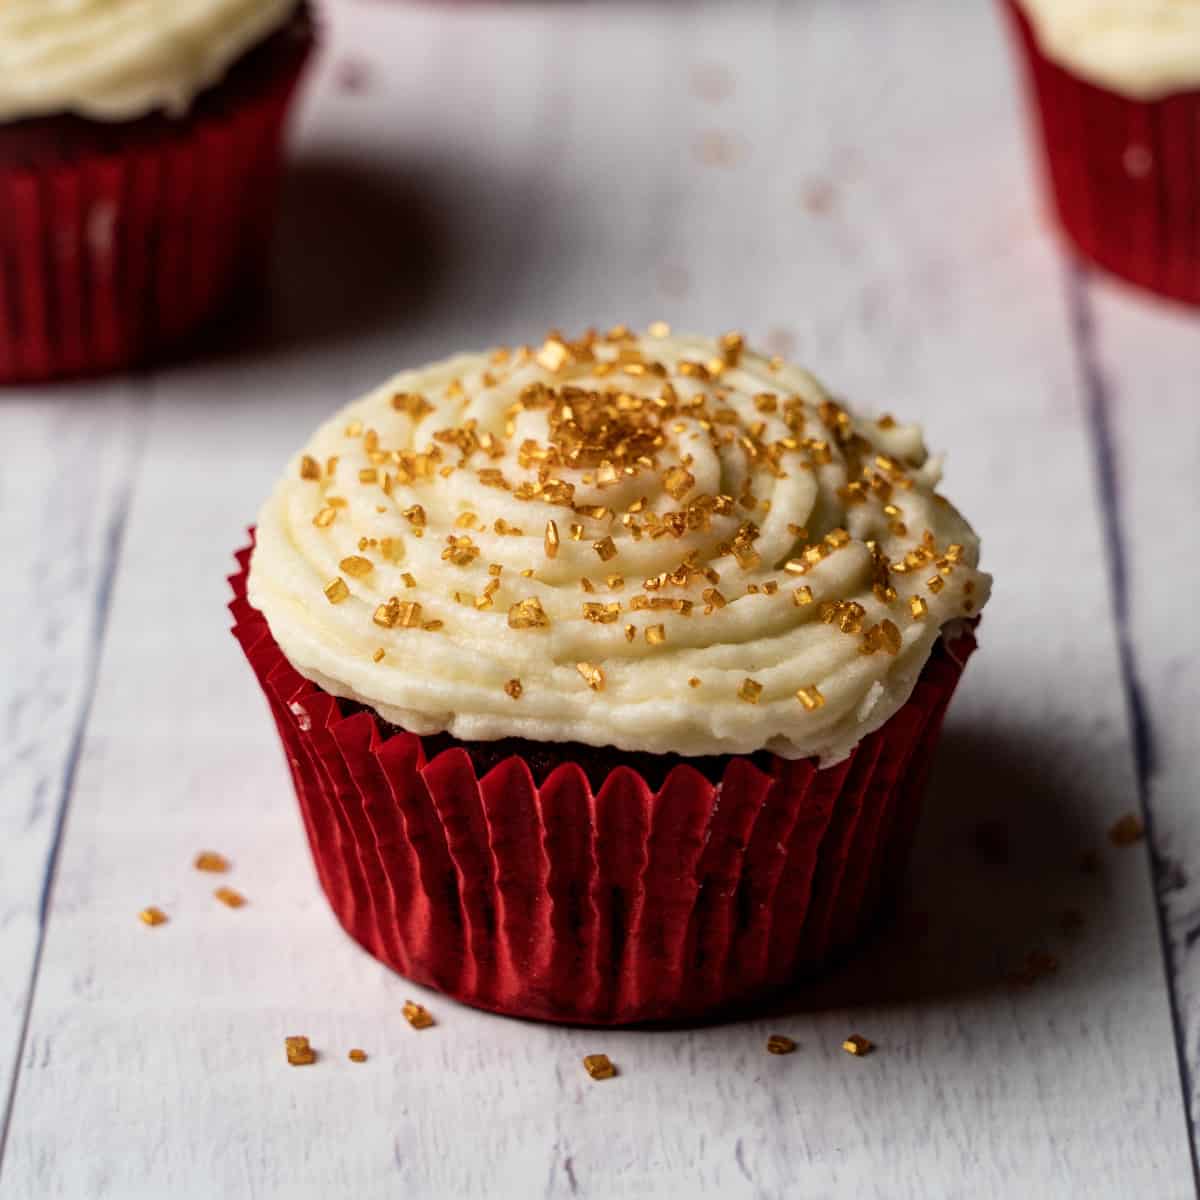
<point>1124,174</point>
<point>115,256</point>
<point>620,904</point>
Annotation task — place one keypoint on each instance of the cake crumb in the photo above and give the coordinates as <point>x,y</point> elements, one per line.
<point>857,1045</point>
<point>152,916</point>
<point>779,1043</point>
<point>299,1052</point>
<point>1127,830</point>
<point>210,860</point>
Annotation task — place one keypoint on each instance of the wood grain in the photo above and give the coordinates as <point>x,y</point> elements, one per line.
<point>1146,361</point>
<point>491,172</point>
<point>69,458</point>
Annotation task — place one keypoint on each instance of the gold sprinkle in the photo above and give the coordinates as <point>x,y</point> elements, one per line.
<point>433,626</point>
<point>377,656</point>
<point>553,355</point>
<point>413,404</point>
<point>229,897</point>
<point>659,329</point>
<point>890,636</point>
<point>460,551</point>
<point>810,697</point>
<point>802,596</point>
<point>528,614</point>
<point>678,481</point>
<point>615,582</point>
<point>593,676</point>
<point>918,607</point>
<point>357,566</point>
<point>858,1045</point>
<point>656,634</point>
<point>606,548</point>
<point>713,597</point>
<point>599,1066</point>
<point>630,632</point>
<point>417,1015</point>
<point>325,517</point>
<point>586,585</point>
<point>576,532</point>
<point>357,1056</point>
<point>386,615</point>
<point>779,1043</point>
<point>210,860</point>
<point>1127,830</point>
<point>694,682</point>
<point>299,1052</point>
<point>551,543</point>
<point>368,475</point>
<point>152,916</point>
<point>415,516</point>
<point>354,429</point>
<point>513,689</point>
<point>409,581</point>
<point>749,691</point>
<point>336,590</point>
<point>309,468</point>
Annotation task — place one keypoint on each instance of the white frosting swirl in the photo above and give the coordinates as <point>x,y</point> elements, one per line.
<point>724,490</point>
<point>115,60</point>
<point>1140,48</point>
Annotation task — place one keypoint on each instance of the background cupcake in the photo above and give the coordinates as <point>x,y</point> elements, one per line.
<point>609,672</point>
<point>139,153</point>
<point>1116,91</point>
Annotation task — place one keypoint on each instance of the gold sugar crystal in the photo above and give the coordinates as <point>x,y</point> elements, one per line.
<point>210,860</point>
<point>779,1043</point>
<point>599,1066</point>
<point>417,1015</point>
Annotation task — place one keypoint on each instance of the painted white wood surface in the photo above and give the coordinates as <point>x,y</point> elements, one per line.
<point>1148,360</point>
<point>64,489</point>
<point>494,172</point>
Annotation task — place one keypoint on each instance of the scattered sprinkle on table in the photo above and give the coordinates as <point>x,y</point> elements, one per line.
<point>779,1043</point>
<point>229,897</point>
<point>599,1066</point>
<point>1127,830</point>
<point>417,1015</point>
<point>358,1056</point>
<point>299,1052</point>
<point>152,916</point>
<point>857,1045</point>
<point>210,860</point>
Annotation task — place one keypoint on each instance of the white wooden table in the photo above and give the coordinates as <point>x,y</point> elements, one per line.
<point>848,182</point>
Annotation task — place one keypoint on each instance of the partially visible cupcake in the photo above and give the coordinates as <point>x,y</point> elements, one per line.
<point>139,155</point>
<point>1115,87</point>
<point>609,673</point>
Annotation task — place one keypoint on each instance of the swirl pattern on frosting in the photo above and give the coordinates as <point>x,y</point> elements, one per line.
<point>1141,48</point>
<point>665,544</point>
<point>115,60</point>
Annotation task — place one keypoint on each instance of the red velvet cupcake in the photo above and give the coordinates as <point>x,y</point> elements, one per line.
<point>1115,91</point>
<point>139,157</point>
<point>609,673</point>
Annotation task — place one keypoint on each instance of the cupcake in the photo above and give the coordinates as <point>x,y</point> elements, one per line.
<point>139,154</point>
<point>1115,86</point>
<point>609,672</point>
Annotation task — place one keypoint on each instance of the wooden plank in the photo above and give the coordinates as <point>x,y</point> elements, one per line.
<point>810,205</point>
<point>1146,361</point>
<point>64,484</point>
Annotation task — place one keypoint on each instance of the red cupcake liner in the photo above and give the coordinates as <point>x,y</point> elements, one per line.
<point>612,906</point>
<point>1124,174</point>
<point>113,258</point>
